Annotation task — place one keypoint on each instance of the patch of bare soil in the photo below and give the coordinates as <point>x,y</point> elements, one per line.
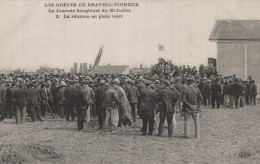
<point>227,136</point>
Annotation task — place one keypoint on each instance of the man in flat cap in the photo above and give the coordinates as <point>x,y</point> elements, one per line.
<point>69,101</point>
<point>192,100</point>
<point>89,98</point>
<point>167,100</point>
<point>3,90</point>
<point>111,103</point>
<point>10,99</point>
<point>21,97</point>
<point>147,105</point>
<point>125,109</point>
<point>253,92</point>
<point>101,112</point>
<point>133,96</point>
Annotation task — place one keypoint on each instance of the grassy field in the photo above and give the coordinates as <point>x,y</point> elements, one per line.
<point>225,133</point>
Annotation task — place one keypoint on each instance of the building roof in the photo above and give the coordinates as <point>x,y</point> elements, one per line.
<point>110,69</point>
<point>50,70</point>
<point>248,30</point>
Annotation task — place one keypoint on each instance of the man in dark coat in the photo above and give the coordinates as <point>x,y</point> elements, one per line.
<point>192,100</point>
<point>3,90</point>
<point>34,103</point>
<point>21,102</point>
<point>80,106</point>
<point>45,97</point>
<point>167,99</point>
<point>101,112</point>
<point>147,106</point>
<point>133,94</point>
<point>236,91</point>
<point>253,92</point>
<point>10,99</point>
<point>180,88</point>
<point>217,91</point>
<point>69,101</point>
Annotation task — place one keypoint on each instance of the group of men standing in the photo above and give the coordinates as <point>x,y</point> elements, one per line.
<point>122,100</point>
<point>228,91</point>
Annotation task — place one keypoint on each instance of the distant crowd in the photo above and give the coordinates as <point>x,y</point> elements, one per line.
<point>119,100</point>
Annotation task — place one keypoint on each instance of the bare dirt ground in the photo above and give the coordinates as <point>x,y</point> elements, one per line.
<point>225,133</point>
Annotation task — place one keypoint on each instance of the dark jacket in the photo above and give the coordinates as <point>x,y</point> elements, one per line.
<point>88,95</point>
<point>34,96</point>
<point>10,95</point>
<point>69,94</point>
<point>167,100</point>
<point>147,99</point>
<point>60,95</point>
<point>180,88</point>
<point>111,99</point>
<point>3,95</point>
<point>133,94</point>
<point>44,94</point>
<point>216,89</point>
<point>253,89</point>
<point>21,97</point>
<point>191,96</point>
<point>99,95</point>
<point>236,89</point>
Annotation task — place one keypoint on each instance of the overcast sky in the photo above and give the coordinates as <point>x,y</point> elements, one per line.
<point>31,37</point>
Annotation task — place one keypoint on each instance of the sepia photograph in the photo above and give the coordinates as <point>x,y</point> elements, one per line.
<point>129,81</point>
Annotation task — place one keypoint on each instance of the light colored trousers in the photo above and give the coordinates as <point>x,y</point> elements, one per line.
<point>231,101</point>
<point>112,118</point>
<point>88,113</point>
<point>157,121</point>
<point>196,120</point>
<point>226,100</point>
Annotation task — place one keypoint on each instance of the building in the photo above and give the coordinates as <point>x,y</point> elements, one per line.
<point>46,70</point>
<point>238,47</point>
<point>141,71</point>
<point>121,69</point>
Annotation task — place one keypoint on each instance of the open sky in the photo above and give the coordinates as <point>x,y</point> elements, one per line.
<point>31,37</point>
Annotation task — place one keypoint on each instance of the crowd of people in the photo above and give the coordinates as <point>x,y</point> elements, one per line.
<point>119,100</point>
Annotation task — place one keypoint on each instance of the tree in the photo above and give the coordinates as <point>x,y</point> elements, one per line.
<point>85,68</point>
<point>90,67</point>
<point>75,67</point>
<point>80,68</point>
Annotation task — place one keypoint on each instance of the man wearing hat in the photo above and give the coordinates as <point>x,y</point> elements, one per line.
<point>69,101</point>
<point>192,100</point>
<point>133,96</point>
<point>236,91</point>
<point>34,102</point>
<point>167,100</point>
<point>89,97</point>
<point>3,90</point>
<point>101,112</point>
<point>125,109</point>
<point>21,102</point>
<point>217,91</point>
<point>253,92</point>
<point>111,104</point>
<point>60,99</point>
<point>10,99</point>
<point>147,105</point>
